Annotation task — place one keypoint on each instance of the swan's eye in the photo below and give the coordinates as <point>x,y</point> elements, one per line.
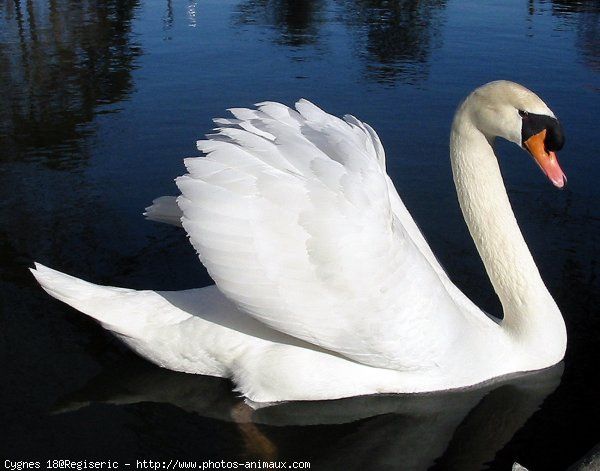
<point>533,124</point>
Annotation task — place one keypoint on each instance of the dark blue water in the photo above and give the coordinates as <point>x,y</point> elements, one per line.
<point>101,100</point>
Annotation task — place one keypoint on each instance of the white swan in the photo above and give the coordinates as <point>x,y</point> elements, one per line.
<point>325,287</point>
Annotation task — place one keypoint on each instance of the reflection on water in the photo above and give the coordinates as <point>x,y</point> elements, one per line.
<point>447,431</point>
<point>297,22</point>
<point>191,13</point>
<point>584,15</point>
<point>60,63</point>
<point>395,38</point>
<point>590,462</point>
<point>168,16</point>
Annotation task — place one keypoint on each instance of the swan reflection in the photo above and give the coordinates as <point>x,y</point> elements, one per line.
<point>460,430</point>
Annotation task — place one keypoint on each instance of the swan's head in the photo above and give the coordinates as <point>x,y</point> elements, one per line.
<point>511,111</point>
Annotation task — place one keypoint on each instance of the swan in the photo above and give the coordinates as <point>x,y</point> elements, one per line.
<point>325,286</point>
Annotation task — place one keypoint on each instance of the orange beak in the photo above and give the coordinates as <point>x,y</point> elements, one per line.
<point>547,161</point>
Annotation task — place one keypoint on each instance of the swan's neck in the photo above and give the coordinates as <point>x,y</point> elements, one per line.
<point>530,313</point>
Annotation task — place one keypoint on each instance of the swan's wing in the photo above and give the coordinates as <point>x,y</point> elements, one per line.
<point>164,209</point>
<point>290,212</point>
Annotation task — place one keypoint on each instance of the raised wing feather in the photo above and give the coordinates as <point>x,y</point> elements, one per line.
<point>290,212</point>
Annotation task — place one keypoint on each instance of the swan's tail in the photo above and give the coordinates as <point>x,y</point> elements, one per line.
<point>164,209</point>
<point>154,325</point>
<point>123,311</point>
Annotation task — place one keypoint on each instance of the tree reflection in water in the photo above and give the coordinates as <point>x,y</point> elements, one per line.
<point>584,17</point>
<point>395,37</point>
<point>297,22</point>
<point>60,61</point>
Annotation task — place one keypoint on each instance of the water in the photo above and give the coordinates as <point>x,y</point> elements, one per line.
<point>100,102</point>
